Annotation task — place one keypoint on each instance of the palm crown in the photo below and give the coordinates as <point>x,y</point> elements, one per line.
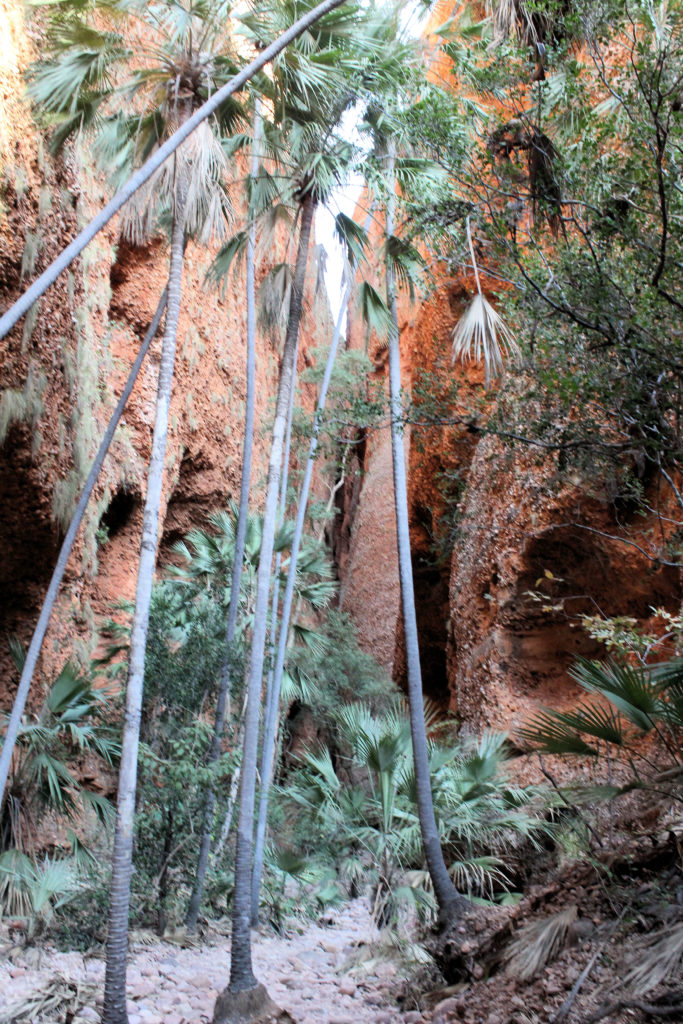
<point>129,73</point>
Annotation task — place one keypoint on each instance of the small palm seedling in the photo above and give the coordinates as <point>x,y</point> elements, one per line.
<point>34,891</point>
<point>71,722</point>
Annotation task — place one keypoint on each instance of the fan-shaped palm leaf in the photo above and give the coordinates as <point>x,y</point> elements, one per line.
<point>481,335</point>
<point>628,687</point>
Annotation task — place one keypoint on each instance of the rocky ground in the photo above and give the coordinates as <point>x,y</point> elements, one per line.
<point>591,942</point>
<point>318,976</point>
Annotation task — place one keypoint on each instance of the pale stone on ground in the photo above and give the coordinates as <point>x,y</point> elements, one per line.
<point>311,976</point>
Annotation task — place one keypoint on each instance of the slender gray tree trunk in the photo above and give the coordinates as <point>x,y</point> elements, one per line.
<point>241,971</point>
<point>36,644</point>
<point>451,903</point>
<point>275,603</point>
<point>269,735</point>
<point>122,862</point>
<point>238,561</point>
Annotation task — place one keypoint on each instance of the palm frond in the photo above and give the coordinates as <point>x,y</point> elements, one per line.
<point>17,652</point>
<point>628,687</point>
<point>353,237</point>
<point>481,335</point>
<point>550,734</point>
<point>84,60</point>
<point>480,875</point>
<point>105,811</point>
<point>406,261</point>
<point>374,312</point>
<point>229,255</point>
<point>274,296</point>
<point>538,943</point>
<point>657,956</point>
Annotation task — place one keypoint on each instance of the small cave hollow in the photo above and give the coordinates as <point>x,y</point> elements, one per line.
<point>430,586</point>
<point>431,606</point>
<point>132,264</point>
<point>29,540</point>
<point>118,512</point>
<point>578,575</point>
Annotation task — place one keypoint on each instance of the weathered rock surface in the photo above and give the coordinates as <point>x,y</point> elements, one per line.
<point>63,370</point>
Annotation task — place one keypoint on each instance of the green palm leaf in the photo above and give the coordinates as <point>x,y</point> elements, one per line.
<point>353,237</point>
<point>374,311</point>
<point>626,686</point>
<point>552,735</point>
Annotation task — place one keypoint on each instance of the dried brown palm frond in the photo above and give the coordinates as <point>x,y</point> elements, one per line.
<point>59,1000</point>
<point>142,937</point>
<point>481,333</point>
<point>656,957</point>
<point>537,944</point>
<point>207,207</point>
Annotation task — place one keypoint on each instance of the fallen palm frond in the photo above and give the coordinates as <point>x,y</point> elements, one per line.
<point>655,959</point>
<point>480,333</point>
<point>59,1000</point>
<point>142,937</point>
<point>537,944</point>
<point>388,946</point>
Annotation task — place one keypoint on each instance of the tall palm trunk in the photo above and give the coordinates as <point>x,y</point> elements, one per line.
<point>238,561</point>
<point>36,644</point>
<point>275,604</point>
<point>241,972</point>
<point>269,735</point>
<point>449,900</point>
<point>117,935</point>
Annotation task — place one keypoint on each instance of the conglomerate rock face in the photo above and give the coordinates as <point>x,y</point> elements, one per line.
<point>486,524</point>
<point>506,560</point>
<point>63,369</point>
<point>531,559</point>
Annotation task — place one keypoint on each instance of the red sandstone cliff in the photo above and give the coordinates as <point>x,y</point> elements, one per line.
<point>63,370</point>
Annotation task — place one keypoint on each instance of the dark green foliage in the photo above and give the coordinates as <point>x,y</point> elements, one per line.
<point>639,700</point>
<point>185,646</point>
<point>341,672</point>
<point>573,196</point>
<point>358,811</point>
<point>73,721</point>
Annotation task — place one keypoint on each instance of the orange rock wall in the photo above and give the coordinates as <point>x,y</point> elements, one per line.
<point>75,355</point>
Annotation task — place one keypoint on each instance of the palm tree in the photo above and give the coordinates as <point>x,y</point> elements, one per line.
<point>180,65</point>
<point>76,105</point>
<point>273,702</point>
<point>33,653</point>
<point>372,66</point>
<point>231,622</point>
<point>241,973</point>
<point>89,72</point>
<point>122,859</point>
<point>313,102</point>
<point>451,903</point>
